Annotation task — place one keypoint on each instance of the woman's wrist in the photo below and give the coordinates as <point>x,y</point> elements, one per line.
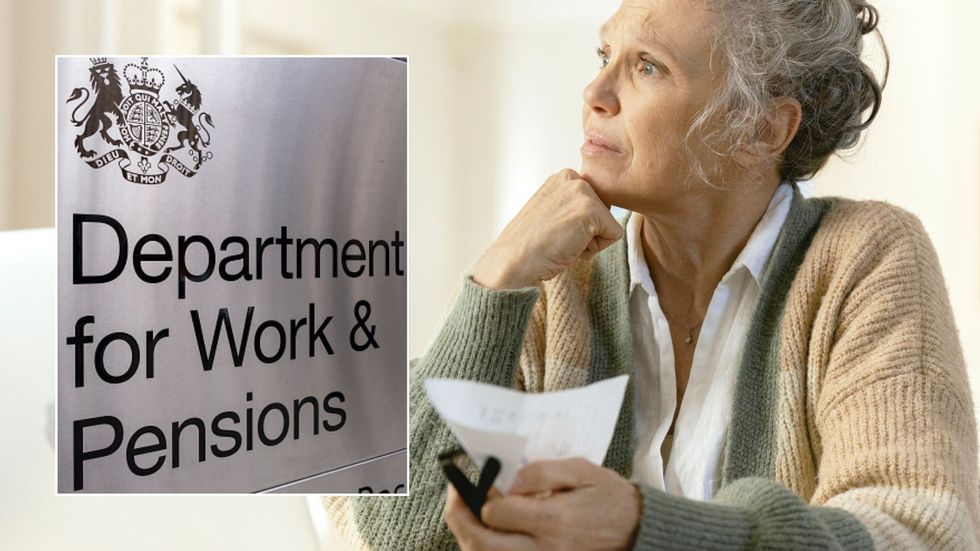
<point>493,272</point>
<point>638,509</point>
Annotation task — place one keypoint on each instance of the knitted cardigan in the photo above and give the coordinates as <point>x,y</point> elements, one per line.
<point>852,425</point>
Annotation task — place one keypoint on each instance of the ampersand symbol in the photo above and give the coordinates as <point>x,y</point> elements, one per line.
<point>362,311</point>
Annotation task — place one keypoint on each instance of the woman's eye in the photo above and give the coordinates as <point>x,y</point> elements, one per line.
<point>603,58</point>
<point>648,69</point>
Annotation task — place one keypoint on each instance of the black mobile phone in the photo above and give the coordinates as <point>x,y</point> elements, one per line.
<point>473,495</point>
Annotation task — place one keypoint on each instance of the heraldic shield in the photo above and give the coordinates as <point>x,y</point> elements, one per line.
<point>144,122</point>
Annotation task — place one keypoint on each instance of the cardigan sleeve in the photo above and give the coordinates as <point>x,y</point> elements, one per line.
<point>480,340</point>
<point>895,441</point>
<point>896,416</point>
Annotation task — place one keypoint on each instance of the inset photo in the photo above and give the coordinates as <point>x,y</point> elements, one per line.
<point>232,274</point>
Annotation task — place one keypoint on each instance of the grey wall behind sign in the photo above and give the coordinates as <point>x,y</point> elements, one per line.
<point>300,149</point>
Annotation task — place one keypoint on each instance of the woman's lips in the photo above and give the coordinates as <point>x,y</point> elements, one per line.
<point>596,145</point>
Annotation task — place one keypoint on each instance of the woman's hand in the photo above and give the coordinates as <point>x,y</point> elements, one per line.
<point>563,221</point>
<point>565,504</point>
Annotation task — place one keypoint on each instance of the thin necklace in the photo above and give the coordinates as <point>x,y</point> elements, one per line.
<point>690,334</point>
<point>691,329</point>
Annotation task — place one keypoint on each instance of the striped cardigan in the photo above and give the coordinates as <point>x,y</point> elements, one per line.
<point>852,425</point>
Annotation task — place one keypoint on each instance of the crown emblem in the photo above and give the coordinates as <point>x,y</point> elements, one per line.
<point>144,123</point>
<point>143,77</point>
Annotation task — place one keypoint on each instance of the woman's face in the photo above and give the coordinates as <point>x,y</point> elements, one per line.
<point>655,77</point>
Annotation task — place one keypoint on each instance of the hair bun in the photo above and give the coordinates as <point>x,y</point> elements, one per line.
<point>867,15</point>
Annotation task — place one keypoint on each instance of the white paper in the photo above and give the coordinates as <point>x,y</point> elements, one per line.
<point>518,428</point>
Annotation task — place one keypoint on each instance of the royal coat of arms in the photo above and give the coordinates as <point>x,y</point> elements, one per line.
<point>141,122</point>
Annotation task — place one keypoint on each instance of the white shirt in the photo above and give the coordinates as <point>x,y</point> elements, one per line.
<point>694,458</point>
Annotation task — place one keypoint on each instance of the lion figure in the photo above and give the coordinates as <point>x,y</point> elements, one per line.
<point>107,96</point>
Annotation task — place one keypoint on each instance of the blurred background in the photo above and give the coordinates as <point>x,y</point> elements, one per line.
<point>495,103</point>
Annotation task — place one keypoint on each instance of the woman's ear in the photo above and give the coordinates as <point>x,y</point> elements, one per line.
<point>776,132</point>
<point>785,116</point>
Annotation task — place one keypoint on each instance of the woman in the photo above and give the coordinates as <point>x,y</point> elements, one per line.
<point>797,379</point>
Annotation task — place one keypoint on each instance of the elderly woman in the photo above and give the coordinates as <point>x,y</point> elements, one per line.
<point>797,379</point>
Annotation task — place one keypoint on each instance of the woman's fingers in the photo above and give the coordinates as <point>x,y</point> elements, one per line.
<point>609,228</point>
<point>472,535</point>
<point>514,513</point>
<point>554,476</point>
<point>568,504</point>
<point>602,227</point>
<point>600,242</point>
<point>563,221</point>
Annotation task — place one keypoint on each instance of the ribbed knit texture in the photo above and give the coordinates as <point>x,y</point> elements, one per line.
<point>852,421</point>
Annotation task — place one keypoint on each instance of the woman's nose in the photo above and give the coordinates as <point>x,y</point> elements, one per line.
<point>600,94</point>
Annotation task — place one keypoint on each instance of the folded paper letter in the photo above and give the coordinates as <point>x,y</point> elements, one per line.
<point>518,428</point>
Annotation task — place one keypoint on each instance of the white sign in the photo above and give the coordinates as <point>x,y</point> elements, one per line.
<point>232,289</point>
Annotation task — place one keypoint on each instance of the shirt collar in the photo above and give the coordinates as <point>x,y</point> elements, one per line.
<point>754,256</point>
<point>639,272</point>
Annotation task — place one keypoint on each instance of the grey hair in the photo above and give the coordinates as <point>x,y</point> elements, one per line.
<point>809,50</point>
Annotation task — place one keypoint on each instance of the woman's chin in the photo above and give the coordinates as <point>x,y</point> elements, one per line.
<point>603,181</point>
